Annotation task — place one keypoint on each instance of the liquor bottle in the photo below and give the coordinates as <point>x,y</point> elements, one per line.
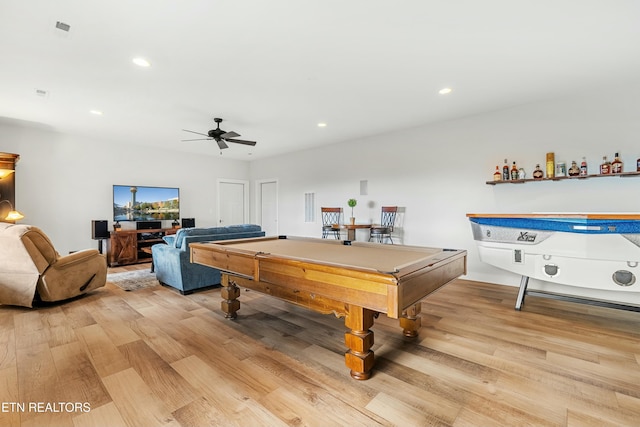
<point>514,171</point>
<point>537,174</point>
<point>583,167</point>
<point>497,175</point>
<point>616,164</point>
<point>505,171</point>
<point>522,174</point>
<point>605,167</point>
<point>551,166</point>
<point>574,170</point>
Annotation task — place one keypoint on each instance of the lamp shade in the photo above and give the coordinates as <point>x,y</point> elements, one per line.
<point>14,216</point>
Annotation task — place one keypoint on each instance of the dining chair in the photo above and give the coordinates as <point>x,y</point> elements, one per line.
<point>387,220</point>
<point>331,220</point>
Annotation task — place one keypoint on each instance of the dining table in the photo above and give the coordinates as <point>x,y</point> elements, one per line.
<point>351,229</point>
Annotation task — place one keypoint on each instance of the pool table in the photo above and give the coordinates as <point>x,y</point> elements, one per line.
<point>354,280</point>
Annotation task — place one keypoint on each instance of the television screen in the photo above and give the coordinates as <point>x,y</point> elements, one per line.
<point>137,203</point>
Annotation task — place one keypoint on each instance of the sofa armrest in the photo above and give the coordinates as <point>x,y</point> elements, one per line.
<point>163,249</point>
<point>72,275</point>
<point>68,261</point>
<point>198,238</point>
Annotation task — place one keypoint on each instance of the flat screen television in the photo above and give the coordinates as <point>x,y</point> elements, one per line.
<point>138,203</point>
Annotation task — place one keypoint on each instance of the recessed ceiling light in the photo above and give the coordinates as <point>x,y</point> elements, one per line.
<point>141,62</point>
<point>96,112</point>
<point>445,91</point>
<point>322,125</point>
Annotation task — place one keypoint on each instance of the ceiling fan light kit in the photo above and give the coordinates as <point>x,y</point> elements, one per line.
<point>220,136</point>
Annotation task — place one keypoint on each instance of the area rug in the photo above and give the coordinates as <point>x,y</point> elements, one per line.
<point>133,280</point>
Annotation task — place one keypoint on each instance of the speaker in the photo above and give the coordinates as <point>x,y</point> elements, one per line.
<point>148,225</point>
<point>188,222</point>
<point>99,229</point>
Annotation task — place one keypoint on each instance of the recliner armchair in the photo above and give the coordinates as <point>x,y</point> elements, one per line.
<point>31,268</point>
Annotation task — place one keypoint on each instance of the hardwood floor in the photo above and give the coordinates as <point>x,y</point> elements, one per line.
<point>156,358</point>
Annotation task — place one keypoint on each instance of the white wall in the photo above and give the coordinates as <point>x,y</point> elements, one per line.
<point>438,173</point>
<point>63,182</point>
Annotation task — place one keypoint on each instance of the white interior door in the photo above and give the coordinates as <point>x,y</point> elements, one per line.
<point>268,205</point>
<point>233,202</point>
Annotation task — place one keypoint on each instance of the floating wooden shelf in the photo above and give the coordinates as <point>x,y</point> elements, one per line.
<point>561,178</point>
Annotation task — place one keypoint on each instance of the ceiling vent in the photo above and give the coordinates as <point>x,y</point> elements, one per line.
<point>62,26</point>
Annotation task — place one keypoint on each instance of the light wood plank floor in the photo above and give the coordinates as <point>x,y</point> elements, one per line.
<point>156,358</point>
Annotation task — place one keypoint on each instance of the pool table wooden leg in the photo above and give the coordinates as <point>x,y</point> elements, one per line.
<point>359,357</point>
<point>229,293</point>
<point>410,320</point>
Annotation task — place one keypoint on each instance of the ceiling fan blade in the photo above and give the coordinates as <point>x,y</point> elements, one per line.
<point>241,141</point>
<point>230,134</point>
<point>203,134</point>
<point>221,144</point>
<point>198,139</point>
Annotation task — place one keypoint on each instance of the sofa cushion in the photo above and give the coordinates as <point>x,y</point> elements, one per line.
<point>213,231</point>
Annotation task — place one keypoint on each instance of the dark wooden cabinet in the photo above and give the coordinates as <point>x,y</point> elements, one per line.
<point>133,246</point>
<point>7,184</point>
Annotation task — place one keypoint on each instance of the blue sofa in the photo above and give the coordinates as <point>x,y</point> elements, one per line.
<point>171,260</point>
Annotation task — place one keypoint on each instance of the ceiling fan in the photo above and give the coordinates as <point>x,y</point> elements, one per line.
<point>220,136</point>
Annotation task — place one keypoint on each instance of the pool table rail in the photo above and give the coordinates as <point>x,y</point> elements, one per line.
<point>381,291</point>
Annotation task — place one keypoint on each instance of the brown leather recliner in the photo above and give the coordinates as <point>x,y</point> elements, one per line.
<point>29,263</point>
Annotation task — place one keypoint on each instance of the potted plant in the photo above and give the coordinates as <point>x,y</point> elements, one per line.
<point>352,204</point>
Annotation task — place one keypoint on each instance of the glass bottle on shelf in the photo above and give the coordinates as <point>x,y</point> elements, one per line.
<point>616,164</point>
<point>522,174</point>
<point>638,165</point>
<point>574,170</point>
<point>605,167</point>
<point>497,175</point>
<point>551,166</point>
<point>514,171</point>
<point>583,167</point>
<point>537,173</point>
<point>505,171</point>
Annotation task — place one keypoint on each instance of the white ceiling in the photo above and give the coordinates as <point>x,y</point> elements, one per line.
<point>274,69</point>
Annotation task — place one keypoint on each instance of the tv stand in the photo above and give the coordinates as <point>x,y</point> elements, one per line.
<point>126,247</point>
